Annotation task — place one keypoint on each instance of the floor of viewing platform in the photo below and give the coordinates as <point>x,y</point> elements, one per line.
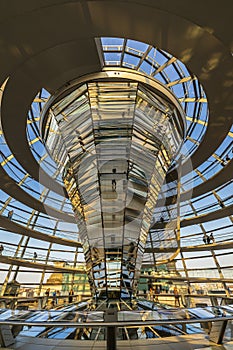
<point>186,342</point>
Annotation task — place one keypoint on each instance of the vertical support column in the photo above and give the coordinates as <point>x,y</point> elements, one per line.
<point>111,316</point>
<point>178,201</point>
<point>111,338</point>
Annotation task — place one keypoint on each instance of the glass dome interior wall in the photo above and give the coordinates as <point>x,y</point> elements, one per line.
<point>37,224</point>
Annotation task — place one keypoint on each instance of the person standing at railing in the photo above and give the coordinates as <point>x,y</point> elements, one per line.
<point>1,249</point>
<point>54,298</point>
<point>151,294</point>
<point>47,293</point>
<point>34,257</point>
<point>212,239</point>
<point>10,214</point>
<point>46,298</point>
<point>157,292</point>
<point>71,294</point>
<point>177,296</point>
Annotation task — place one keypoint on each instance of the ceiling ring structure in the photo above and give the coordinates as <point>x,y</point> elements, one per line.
<point>195,60</point>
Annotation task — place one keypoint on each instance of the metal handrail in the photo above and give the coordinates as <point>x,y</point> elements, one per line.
<point>120,324</point>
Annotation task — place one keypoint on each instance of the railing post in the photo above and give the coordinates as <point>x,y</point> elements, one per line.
<point>40,303</point>
<point>111,338</point>
<point>217,331</point>
<point>6,336</point>
<point>3,304</point>
<point>187,300</point>
<point>110,315</point>
<point>214,300</point>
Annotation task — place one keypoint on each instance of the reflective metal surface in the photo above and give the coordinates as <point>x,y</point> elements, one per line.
<point>113,138</point>
<point>142,323</point>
